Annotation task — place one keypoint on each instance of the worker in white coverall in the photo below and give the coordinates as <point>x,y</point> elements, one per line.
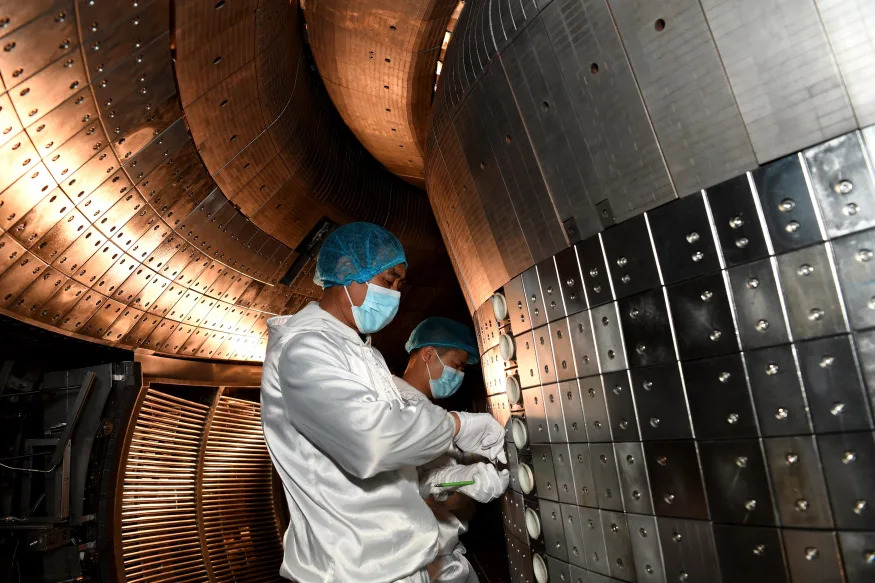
<point>344,442</point>
<point>439,349</point>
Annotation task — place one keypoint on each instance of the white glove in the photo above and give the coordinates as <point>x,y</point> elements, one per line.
<point>482,435</point>
<point>488,485</point>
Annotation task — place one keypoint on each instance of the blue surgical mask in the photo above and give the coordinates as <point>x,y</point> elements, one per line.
<point>378,309</point>
<point>447,384</point>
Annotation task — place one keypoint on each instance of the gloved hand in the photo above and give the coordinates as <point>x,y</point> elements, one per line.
<point>489,483</point>
<point>480,434</point>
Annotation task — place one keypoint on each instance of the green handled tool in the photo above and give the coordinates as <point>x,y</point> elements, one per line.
<point>455,484</point>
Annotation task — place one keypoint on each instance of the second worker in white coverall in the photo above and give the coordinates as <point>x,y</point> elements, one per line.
<point>344,442</point>
<point>439,350</point>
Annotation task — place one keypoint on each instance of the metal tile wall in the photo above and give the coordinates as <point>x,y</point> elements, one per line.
<point>689,394</point>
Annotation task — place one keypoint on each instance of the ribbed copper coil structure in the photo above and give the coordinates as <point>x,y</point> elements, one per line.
<point>238,521</point>
<point>196,501</point>
<point>160,539</point>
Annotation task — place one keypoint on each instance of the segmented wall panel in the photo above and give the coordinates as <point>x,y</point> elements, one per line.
<point>236,501</point>
<point>159,536</point>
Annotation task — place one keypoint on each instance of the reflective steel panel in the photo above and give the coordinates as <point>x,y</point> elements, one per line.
<point>550,288</point>
<point>675,479</point>
<point>536,417</point>
<point>661,402</point>
<point>702,317</point>
<point>607,481</point>
<point>758,305</point>
<point>571,281</point>
<point>555,418</point>
<point>573,534</point>
<point>856,271</point>
<point>517,306</point>
<point>813,556</point>
<point>586,358</point>
<point>629,256</point>
<point>633,478</point>
<point>593,541</point>
<point>595,410</point>
<point>777,390</point>
<point>597,284</point>
<point>584,481</point>
<point>683,239</point>
<point>737,221</point>
<point>545,478</point>
<point>688,548</point>
<point>719,398</point>
<point>646,329</point>
<point>551,526</point>
<point>750,553</point>
<point>575,425</point>
<point>544,353</point>
<point>812,301</point>
<point>797,477</point>
<point>608,337</point>
<point>849,465</point>
<point>563,353</point>
<point>736,482</point>
<point>562,467</point>
<point>534,296</point>
<point>618,546</point>
<point>645,548</point>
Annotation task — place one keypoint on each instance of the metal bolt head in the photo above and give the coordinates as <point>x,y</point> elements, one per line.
<point>864,255</point>
<point>622,261</point>
<point>647,385</point>
<point>759,550</point>
<point>741,461</point>
<point>683,576</point>
<point>732,418</point>
<point>772,369</point>
<point>677,537</point>
<point>791,458</point>
<point>654,422</point>
<point>626,278</point>
<point>736,222</point>
<point>669,498</point>
<point>742,242</point>
<point>662,460</point>
<point>762,325</point>
<point>624,424</point>
<point>827,361</point>
<point>640,348</point>
<point>697,256</point>
<point>802,505</point>
<point>805,269</point>
<point>811,553</point>
<point>787,205</point>
<point>815,315</point>
<point>614,527</point>
<point>724,377</point>
<point>593,272</point>
<point>781,413</point>
<point>753,283</point>
<point>851,209</point>
<point>706,296</point>
<point>636,494</point>
<point>792,227</point>
<point>837,408</point>
<point>692,237</point>
<point>860,506</point>
<point>844,187</point>
<point>849,456</point>
<point>715,335</point>
<point>750,505</point>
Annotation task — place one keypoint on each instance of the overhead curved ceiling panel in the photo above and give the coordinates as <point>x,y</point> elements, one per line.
<point>378,63</point>
<point>114,228</point>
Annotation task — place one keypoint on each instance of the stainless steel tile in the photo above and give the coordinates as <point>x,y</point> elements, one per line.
<point>536,417</point>
<point>661,402</point>
<point>842,183</point>
<point>787,204</point>
<point>720,402</point>
<point>740,232</point>
<point>849,465</point>
<point>558,570</point>
<point>621,407</point>
<point>608,337</point>
<point>629,257</point>
<point>596,282</point>
<point>527,360</point>
<point>564,474</point>
<point>563,353</point>
<point>594,541</point>
<point>856,271</point>
<point>836,396</point>
<point>736,482</point>
<point>795,95</point>
<point>595,410</point>
<point>573,534</point>
<point>702,317</point>
<point>618,546</point>
<point>575,424</point>
<point>544,352</point>
<point>534,297</point>
<point>646,329</point>
<point>545,477</point>
<point>757,303</point>
<point>857,554</point>
<point>813,556</point>
<point>551,526</point>
<point>683,239</point>
<point>812,301</point>
<point>583,345</point>
<point>579,575</point>
<point>645,548</point>
<point>571,281</point>
<point>778,395</point>
<point>555,417</point>
<point>517,306</point>
<point>800,490</point>
<point>550,288</point>
<point>675,479</point>
<point>633,478</point>
<point>581,467</point>
<point>750,553</point>
<point>866,353</point>
<point>607,481</point>
<point>688,548</point>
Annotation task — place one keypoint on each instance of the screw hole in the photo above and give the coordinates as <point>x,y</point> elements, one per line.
<point>659,25</point>
<point>594,68</point>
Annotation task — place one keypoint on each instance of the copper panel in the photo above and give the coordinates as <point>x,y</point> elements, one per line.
<point>39,220</point>
<point>20,13</point>
<point>167,300</point>
<point>177,338</point>
<point>61,236</point>
<point>90,271</point>
<point>133,285</point>
<point>88,304</point>
<point>159,334</point>
<point>49,88</point>
<point>91,175</point>
<point>99,323</point>
<point>10,251</point>
<point>17,156</point>
<point>61,303</point>
<point>150,240</point>
<point>200,310</point>
<point>118,273</point>
<point>128,233</point>
<point>9,124</point>
<point>33,298</point>
<point>147,296</point>
<point>126,320</point>
<point>23,194</point>
<point>141,330</point>
<point>187,300</point>
<point>38,43</point>
<point>18,276</point>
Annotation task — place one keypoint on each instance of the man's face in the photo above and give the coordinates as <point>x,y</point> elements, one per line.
<point>392,278</point>
<point>453,358</point>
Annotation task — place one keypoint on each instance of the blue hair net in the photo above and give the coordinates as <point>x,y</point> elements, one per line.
<point>357,252</point>
<point>444,333</point>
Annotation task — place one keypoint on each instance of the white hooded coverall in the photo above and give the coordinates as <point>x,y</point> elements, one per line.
<point>346,447</point>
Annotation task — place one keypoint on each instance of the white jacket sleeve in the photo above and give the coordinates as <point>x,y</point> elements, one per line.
<point>338,412</point>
